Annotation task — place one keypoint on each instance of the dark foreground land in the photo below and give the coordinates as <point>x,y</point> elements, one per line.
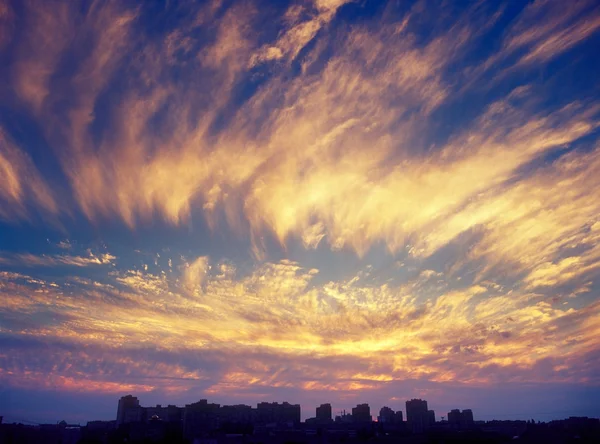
<point>572,430</point>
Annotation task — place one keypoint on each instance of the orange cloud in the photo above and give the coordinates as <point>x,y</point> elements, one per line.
<point>381,333</point>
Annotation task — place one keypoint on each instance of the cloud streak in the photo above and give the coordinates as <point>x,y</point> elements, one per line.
<point>21,183</point>
<point>32,260</point>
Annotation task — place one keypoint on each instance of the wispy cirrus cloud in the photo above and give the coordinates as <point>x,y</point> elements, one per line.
<point>281,176</point>
<point>33,260</point>
<point>304,22</point>
<point>560,30</point>
<point>21,183</point>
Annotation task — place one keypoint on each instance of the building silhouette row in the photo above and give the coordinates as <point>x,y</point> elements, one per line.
<point>201,417</point>
<point>276,423</point>
<point>573,429</point>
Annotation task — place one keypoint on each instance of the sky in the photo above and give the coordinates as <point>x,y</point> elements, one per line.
<point>307,201</point>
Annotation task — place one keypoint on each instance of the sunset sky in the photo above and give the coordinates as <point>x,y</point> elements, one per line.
<point>307,201</point>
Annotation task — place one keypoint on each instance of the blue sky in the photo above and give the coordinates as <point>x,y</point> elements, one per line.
<point>327,201</point>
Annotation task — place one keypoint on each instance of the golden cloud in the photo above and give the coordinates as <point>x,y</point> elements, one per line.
<point>279,310</point>
<point>292,160</point>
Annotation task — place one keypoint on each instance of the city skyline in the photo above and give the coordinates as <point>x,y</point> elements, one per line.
<point>324,201</point>
<point>308,412</point>
<point>412,411</point>
<point>130,409</point>
<point>323,413</point>
<point>273,422</point>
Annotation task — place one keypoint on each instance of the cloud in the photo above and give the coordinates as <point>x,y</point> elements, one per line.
<point>127,175</point>
<point>32,72</point>
<point>299,32</point>
<point>22,183</point>
<point>65,244</point>
<point>541,32</point>
<point>285,330</point>
<point>560,30</point>
<point>32,260</point>
<point>551,216</point>
<point>195,273</point>
<point>6,24</point>
<point>290,160</point>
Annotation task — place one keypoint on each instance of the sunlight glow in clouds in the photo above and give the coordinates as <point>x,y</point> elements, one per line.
<point>368,195</point>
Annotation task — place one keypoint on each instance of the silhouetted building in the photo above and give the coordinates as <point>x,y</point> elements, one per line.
<point>170,413</point>
<point>134,414</point>
<point>467,416</point>
<point>419,418</point>
<point>399,418</point>
<point>273,412</point>
<point>324,413</point>
<point>454,417</point>
<point>237,414</point>
<point>344,418</point>
<point>415,408</point>
<point>128,410</point>
<point>361,413</point>
<point>200,418</point>
<point>157,413</point>
<point>386,416</point>
<point>460,420</point>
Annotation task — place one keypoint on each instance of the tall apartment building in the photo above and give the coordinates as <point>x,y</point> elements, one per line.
<point>323,413</point>
<point>128,410</point>
<point>418,416</point>
<point>361,413</point>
